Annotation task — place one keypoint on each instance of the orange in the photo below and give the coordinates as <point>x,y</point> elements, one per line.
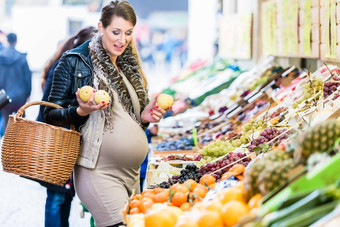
<point>202,187</point>
<point>237,168</point>
<point>229,194</point>
<point>185,206</point>
<point>145,204</point>
<point>174,211</point>
<point>190,183</point>
<point>179,198</point>
<point>149,195</point>
<point>158,190</point>
<point>182,188</point>
<point>134,210</point>
<point>174,186</point>
<point>208,218</point>
<point>227,175</point>
<point>255,201</point>
<point>147,190</point>
<point>207,179</point>
<point>200,192</point>
<point>161,197</point>
<point>159,218</point>
<point>233,211</point>
<point>214,205</point>
<point>134,203</point>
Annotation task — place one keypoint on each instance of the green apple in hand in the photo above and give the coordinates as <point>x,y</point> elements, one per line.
<point>85,93</point>
<point>165,101</point>
<point>101,96</point>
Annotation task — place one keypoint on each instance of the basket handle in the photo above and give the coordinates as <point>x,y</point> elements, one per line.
<point>22,109</point>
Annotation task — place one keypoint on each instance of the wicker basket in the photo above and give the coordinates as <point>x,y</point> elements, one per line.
<point>38,150</point>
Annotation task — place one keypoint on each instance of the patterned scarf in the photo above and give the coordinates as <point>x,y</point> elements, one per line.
<point>107,77</point>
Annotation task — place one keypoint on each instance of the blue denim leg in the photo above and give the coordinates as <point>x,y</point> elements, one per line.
<point>57,209</point>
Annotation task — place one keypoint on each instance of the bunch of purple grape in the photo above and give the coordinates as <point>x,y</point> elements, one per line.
<point>197,157</point>
<point>268,135</point>
<point>227,160</point>
<point>191,171</point>
<point>278,112</point>
<point>331,86</point>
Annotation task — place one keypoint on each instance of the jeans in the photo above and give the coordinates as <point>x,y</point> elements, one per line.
<point>57,208</point>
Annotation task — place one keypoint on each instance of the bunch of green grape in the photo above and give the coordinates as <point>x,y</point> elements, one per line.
<point>250,127</point>
<point>310,89</point>
<point>205,160</point>
<point>217,148</point>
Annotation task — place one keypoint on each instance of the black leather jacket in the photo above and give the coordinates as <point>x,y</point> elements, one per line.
<point>73,71</point>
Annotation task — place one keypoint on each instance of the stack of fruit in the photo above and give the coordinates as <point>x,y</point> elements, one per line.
<point>183,205</point>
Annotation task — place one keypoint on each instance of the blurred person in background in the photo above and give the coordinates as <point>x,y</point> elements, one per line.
<point>59,198</point>
<point>150,132</point>
<point>3,40</point>
<point>15,79</point>
<point>114,143</point>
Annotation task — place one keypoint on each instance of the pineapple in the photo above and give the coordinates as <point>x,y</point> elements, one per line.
<point>274,175</point>
<point>318,138</point>
<point>252,172</point>
<point>277,155</point>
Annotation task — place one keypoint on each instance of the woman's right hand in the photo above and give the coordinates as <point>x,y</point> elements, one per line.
<point>85,108</point>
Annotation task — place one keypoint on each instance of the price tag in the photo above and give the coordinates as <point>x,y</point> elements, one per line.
<point>194,136</point>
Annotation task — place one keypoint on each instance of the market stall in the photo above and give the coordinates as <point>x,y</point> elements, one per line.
<point>257,147</point>
<point>275,154</point>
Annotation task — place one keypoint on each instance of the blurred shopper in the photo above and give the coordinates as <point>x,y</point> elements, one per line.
<point>15,79</point>
<point>59,198</point>
<point>150,132</point>
<point>3,40</point>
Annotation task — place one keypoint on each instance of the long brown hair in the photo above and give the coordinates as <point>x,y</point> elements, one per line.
<point>122,9</point>
<point>70,43</point>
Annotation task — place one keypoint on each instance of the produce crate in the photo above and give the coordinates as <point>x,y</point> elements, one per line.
<point>169,152</point>
<point>319,177</point>
<point>158,172</point>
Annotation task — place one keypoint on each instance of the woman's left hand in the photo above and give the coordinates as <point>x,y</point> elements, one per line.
<point>152,113</point>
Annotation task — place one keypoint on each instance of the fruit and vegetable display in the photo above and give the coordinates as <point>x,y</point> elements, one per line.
<point>265,163</point>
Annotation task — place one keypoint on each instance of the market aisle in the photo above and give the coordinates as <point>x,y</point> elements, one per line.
<point>22,201</point>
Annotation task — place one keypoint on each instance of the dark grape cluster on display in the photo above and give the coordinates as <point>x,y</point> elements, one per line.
<point>227,160</point>
<point>179,144</point>
<point>331,86</point>
<point>189,172</point>
<point>197,157</point>
<point>268,135</point>
<point>278,112</point>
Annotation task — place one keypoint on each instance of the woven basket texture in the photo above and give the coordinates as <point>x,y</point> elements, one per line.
<point>38,150</point>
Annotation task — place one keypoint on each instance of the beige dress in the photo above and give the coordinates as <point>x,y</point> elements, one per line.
<point>105,190</point>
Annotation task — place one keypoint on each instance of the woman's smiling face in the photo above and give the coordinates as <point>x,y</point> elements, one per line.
<point>116,36</point>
